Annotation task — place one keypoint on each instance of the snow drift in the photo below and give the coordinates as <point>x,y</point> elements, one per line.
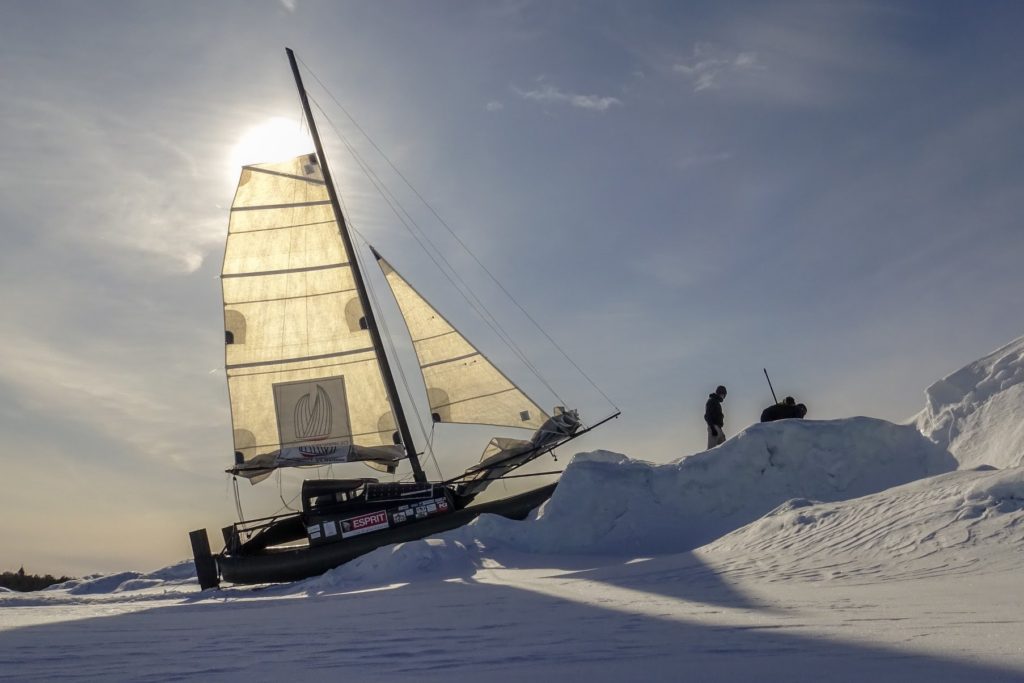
<point>607,503</point>
<point>975,413</point>
<point>946,525</point>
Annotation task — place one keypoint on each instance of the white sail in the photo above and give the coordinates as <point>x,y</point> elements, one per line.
<point>303,376</point>
<point>462,385</point>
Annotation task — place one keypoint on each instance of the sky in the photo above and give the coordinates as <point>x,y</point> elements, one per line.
<point>681,194</point>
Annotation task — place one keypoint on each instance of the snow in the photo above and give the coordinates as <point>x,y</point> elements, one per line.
<point>976,411</point>
<point>842,550</point>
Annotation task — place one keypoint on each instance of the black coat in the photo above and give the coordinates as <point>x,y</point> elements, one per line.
<point>713,414</point>
<point>781,411</point>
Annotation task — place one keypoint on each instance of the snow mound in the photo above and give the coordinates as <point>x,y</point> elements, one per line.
<point>975,413</point>
<point>182,571</point>
<point>610,504</point>
<point>100,584</point>
<point>432,558</point>
<point>945,525</point>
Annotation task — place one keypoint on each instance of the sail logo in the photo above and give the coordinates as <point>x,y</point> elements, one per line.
<point>312,417</point>
<point>313,423</point>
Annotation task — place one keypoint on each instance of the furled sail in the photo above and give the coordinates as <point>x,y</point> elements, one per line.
<point>303,376</point>
<point>462,385</point>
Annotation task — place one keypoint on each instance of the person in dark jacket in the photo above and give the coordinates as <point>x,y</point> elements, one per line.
<point>789,408</point>
<point>715,417</point>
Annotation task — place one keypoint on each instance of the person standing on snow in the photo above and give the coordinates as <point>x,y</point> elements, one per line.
<point>714,417</point>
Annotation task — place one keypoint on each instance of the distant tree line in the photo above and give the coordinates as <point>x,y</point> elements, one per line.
<point>20,581</point>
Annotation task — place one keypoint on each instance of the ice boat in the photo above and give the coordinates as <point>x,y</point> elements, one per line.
<point>311,385</point>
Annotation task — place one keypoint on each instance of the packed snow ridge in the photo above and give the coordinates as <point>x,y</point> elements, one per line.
<point>609,504</point>
<point>976,411</point>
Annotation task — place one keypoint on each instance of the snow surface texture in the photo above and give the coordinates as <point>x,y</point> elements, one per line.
<point>845,550</point>
<point>978,412</point>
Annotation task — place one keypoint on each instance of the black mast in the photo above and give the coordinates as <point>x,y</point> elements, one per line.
<point>371,323</point>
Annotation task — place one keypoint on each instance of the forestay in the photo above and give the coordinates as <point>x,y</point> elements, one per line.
<point>303,376</point>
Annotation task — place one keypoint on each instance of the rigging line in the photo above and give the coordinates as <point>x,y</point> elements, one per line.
<point>397,208</point>
<point>430,449</point>
<point>382,322</point>
<point>461,286</point>
<point>478,306</point>
<point>452,232</point>
<point>406,385</point>
<point>371,293</point>
<point>238,500</point>
<point>287,505</point>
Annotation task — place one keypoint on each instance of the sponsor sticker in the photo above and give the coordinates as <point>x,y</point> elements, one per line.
<point>330,529</point>
<point>364,524</point>
<point>313,531</point>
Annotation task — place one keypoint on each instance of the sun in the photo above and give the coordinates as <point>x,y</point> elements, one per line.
<point>276,139</point>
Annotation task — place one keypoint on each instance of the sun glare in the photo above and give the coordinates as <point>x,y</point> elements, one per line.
<point>275,139</point>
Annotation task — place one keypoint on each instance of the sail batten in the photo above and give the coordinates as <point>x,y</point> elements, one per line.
<point>242,302</point>
<point>260,169</point>
<point>293,205</point>
<point>284,361</point>
<point>449,360</point>
<point>462,385</point>
<point>284,271</point>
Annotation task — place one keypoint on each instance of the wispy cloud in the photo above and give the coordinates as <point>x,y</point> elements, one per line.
<point>494,105</point>
<point>131,189</point>
<point>113,394</point>
<point>551,94</point>
<point>290,5</point>
<point>711,64</point>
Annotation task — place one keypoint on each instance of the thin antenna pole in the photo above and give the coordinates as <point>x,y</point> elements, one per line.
<point>371,322</point>
<point>770,384</point>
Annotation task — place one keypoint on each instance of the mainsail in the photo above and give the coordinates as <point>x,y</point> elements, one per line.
<point>462,385</point>
<point>303,375</point>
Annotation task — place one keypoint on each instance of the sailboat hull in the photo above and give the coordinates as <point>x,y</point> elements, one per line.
<point>281,565</point>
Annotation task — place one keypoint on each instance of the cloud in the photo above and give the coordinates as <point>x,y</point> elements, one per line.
<point>125,192</point>
<point>711,65</point>
<point>111,390</point>
<point>289,4</point>
<point>552,94</point>
<point>494,105</point>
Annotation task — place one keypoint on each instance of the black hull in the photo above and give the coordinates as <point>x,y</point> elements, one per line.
<point>277,566</point>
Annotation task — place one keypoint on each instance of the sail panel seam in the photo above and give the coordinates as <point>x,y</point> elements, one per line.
<point>284,175</point>
<point>475,398</point>
<point>313,367</point>
<point>449,360</point>
<point>436,336</point>
<point>298,359</point>
<point>294,205</point>
<point>284,271</point>
<point>281,227</point>
<point>242,302</point>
